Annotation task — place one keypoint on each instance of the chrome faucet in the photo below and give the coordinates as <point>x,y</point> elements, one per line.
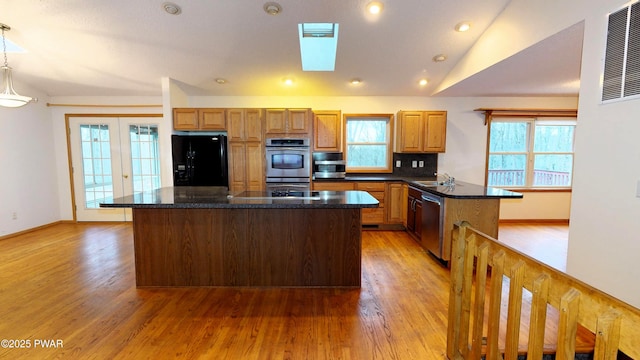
<point>448,180</point>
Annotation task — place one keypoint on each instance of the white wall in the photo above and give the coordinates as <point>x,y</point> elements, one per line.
<point>604,240</point>
<point>28,181</point>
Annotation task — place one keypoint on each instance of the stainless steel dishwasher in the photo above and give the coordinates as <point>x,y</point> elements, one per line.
<point>432,223</point>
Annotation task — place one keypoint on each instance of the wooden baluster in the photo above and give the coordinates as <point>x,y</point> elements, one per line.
<point>515,308</point>
<point>607,336</point>
<point>538,316</point>
<point>478,308</point>
<point>465,309</point>
<point>455,293</point>
<point>569,306</point>
<point>495,299</point>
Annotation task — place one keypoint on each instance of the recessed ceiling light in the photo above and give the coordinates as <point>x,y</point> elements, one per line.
<point>272,8</point>
<point>374,7</point>
<point>171,8</point>
<point>287,81</point>
<point>423,82</point>
<point>221,81</point>
<point>440,58</point>
<point>356,81</point>
<point>463,26</point>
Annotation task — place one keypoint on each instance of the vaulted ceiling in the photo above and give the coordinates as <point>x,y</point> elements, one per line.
<point>124,47</point>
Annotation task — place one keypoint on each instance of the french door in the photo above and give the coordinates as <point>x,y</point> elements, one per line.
<point>113,157</point>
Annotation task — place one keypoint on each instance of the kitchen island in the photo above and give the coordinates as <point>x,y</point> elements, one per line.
<point>201,236</point>
<point>438,206</point>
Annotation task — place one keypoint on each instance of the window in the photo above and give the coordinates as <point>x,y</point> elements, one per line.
<point>530,152</point>
<point>368,142</point>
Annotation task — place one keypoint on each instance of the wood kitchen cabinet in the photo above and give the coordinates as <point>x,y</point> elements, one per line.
<point>288,121</point>
<point>373,216</point>
<point>194,119</point>
<point>245,125</point>
<point>245,148</point>
<point>396,202</point>
<point>327,131</point>
<point>391,196</point>
<point>421,131</point>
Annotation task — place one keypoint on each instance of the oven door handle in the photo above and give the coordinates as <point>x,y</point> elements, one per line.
<point>286,148</point>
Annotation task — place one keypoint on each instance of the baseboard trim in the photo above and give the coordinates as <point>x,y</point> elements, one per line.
<point>534,221</point>
<point>4,237</point>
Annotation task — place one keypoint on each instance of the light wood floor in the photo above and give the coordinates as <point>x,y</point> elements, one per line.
<point>75,283</point>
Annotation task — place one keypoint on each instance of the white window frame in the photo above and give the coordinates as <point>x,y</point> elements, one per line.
<point>389,143</point>
<point>530,146</point>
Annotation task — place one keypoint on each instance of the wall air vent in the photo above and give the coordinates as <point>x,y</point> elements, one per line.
<point>622,56</point>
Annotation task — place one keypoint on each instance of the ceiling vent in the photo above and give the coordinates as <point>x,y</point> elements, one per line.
<point>622,59</point>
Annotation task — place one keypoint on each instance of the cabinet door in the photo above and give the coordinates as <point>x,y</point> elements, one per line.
<point>212,119</point>
<point>435,131</point>
<point>236,130</point>
<point>298,121</point>
<point>275,120</point>
<point>395,198</point>
<point>253,125</point>
<point>327,131</point>
<point>409,136</point>
<point>185,119</point>
<point>255,163</point>
<point>237,166</point>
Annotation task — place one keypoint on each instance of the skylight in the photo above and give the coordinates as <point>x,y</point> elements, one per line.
<point>318,45</point>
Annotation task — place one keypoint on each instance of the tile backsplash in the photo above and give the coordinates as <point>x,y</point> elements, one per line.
<point>430,162</point>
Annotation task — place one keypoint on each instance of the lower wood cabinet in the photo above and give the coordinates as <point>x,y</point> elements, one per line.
<point>391,195</point>
<point>246,166</point>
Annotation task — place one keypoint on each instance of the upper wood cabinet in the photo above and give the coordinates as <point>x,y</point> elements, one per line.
<point>288,121</point>
<point>327,130</point>
<point>244,124</point>
<point>421,131</point>
<point>246,155</point>
<point>199,119</point>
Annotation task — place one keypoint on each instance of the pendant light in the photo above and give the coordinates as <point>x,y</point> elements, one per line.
<point>8,96</point>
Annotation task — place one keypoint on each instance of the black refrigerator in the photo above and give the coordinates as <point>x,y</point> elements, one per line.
<point>199,160</point>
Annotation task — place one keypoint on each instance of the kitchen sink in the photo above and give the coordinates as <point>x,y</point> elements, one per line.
<point>430,182</point>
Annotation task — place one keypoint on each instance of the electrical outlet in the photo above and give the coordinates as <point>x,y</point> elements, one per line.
<point>421,163</point>
<point>638,189</point>
<point>14,216</point>
<point>398,163</point>
<point>414,163</point>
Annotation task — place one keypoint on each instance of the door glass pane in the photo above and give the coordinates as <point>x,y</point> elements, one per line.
<point>145,159</point>
<point>552,170</point>
<point>507,170</point>
<point>96,160</point>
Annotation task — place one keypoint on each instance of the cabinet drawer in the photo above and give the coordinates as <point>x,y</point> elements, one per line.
<point>373,216</point>
<point>371,186</point>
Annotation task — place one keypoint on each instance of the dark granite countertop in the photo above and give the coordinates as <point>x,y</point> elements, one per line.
<point>463,190</point>
<point>203,197</point>
<point>459,190</point>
